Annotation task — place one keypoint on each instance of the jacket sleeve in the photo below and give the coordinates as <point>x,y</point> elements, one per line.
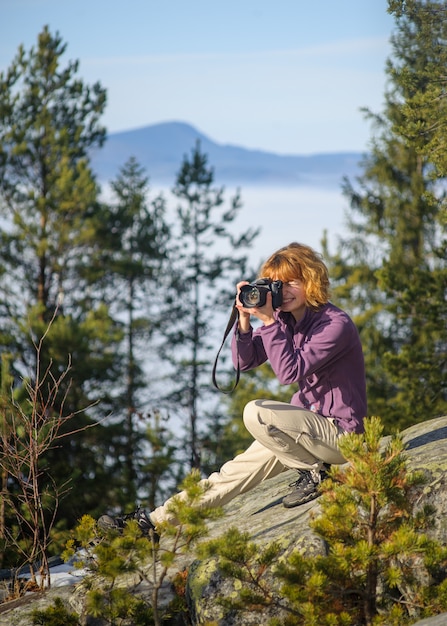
<point>248,349</point>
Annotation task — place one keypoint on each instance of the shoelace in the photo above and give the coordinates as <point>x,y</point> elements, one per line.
<point>303,477</point>
<point>307,477</point>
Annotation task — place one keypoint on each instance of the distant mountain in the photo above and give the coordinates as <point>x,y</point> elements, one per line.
<point>160,149</point>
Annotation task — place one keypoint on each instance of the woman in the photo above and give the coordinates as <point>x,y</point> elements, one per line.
<point>308,342</point>
<point>311,342</point>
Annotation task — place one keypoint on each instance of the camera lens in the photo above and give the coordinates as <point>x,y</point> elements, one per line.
<point>252,297</point>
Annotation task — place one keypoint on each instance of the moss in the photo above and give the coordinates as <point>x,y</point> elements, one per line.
<point>199,577</point>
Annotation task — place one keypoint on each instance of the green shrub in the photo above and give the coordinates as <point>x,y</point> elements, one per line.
<point>55,615</point>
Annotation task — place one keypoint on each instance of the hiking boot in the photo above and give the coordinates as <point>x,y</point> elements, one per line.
<point>306,487</point>
<point>107,522</point>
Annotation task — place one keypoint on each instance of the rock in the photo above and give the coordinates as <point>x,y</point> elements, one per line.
<point>18,612</point>
<point>261,513</point>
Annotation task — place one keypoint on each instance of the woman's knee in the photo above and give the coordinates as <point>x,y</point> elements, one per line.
<point>250,410</point>
<point>250,415</point>
<point>257,414</point>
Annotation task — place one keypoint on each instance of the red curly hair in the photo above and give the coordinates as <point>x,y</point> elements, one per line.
<point>300,262</point>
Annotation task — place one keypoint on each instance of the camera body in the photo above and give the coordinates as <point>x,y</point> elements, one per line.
<point>255,294</point>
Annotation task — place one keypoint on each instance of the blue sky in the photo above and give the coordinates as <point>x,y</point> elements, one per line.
<point>288,76</point>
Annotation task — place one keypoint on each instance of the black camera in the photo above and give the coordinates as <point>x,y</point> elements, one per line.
<point>255,294</point>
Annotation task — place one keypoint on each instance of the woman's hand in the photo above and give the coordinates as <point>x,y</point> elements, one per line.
<point>264,313</point>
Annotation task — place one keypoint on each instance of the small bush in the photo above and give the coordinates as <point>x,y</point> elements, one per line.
<point>55,615</point>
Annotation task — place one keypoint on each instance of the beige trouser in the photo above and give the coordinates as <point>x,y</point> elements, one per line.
<point>286,437</point>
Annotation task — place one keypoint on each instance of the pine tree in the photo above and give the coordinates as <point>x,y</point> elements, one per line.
<point>150,557</point>
<point>381,567</point>
<point>49,120</point>
<point>131,256</point>
<point>391,273</point>
<point>205,268</point>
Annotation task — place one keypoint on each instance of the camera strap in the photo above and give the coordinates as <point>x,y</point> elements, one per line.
<point>233,318</point>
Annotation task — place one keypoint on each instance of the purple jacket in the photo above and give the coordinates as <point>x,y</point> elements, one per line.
<point>322,353</point>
